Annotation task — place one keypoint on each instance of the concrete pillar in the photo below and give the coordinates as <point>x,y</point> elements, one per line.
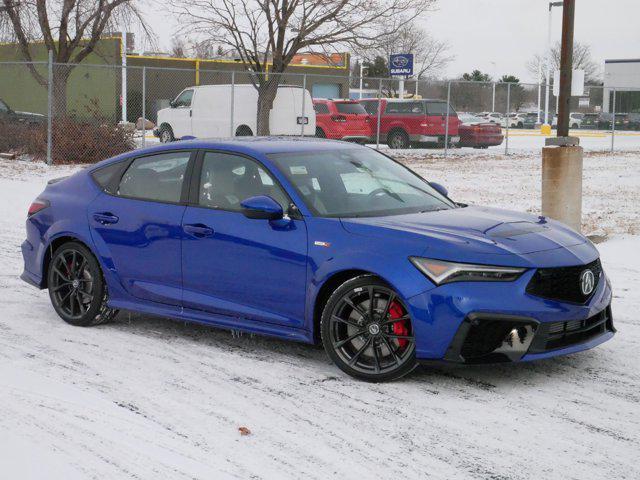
<point>562,184</point>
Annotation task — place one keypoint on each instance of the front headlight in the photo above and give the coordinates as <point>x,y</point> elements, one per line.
<point>440,272</point>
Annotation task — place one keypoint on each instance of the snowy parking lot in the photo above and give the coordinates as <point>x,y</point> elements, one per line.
<point>146,397</point>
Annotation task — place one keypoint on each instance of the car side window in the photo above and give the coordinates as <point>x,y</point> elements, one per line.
<point>155,177</point>
<point>184,99</point>
<point>227,179</point>
<point>321,108</point>
<point>3,107</point>
<point>371,107</point>
<point>405,107</point>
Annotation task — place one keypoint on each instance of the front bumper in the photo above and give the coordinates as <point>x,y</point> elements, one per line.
<point>490,322</point>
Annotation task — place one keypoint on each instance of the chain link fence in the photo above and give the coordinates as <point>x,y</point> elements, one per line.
<point>84,113</point>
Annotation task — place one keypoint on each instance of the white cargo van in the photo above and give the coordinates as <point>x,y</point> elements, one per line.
<point>205,112</point>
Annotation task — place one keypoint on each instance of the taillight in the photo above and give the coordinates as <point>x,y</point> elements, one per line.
<point>338,118</point>
<point>36,206</point>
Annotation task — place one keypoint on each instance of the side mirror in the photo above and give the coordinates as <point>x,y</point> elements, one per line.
<point>261,207</point>
<point>439,188</point>
<point>172,104</point>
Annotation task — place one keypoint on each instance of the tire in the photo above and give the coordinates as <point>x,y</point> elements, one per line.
<point>520,125</point>
<point>244,131</point>
<point>77,289</point>
<point>398,139</point>
<point>320,133</point>
<point>166,134</point>
<point>375,345</point>
<point>574,126</point>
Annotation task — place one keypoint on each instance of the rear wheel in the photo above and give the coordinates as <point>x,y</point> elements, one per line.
<point>243,131</point>
<point>76,286</point>
<point>367,331</point>
<point>398,139</point>
<point>166,134</point>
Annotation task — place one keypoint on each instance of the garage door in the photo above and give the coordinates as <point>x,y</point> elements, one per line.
<point>325,90</point>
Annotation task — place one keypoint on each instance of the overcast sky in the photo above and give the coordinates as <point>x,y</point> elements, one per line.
<point>500,36</point>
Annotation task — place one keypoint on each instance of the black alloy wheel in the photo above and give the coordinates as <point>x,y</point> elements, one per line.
<point>367,331</point>
<point>76,287</point>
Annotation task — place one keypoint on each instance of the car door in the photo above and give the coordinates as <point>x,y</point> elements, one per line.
<point>233,265</point>
<point>136,224</point>
<point>181,114</point>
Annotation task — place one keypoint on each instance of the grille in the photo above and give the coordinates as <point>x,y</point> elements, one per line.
<point>563,283</point>
<point>557,335</point>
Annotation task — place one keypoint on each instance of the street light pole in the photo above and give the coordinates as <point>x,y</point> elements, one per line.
<point>562,156</point>
<point>548,73</point>
<point>566,65</point>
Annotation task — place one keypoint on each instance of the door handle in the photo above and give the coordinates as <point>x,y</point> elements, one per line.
<point>105,218</point>
<point>198,230</point>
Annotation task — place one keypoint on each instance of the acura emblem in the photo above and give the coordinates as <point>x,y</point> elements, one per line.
<point>587,282</point>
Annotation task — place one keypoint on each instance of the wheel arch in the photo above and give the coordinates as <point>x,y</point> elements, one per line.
<point>330,284</point>
<point>52,246</point>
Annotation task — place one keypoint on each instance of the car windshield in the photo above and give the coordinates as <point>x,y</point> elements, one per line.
<point>357,183</point>
<point>349,107</point>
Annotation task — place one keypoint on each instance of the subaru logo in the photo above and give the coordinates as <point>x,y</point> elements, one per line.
<point>400,62</point>
<point>587,282</point>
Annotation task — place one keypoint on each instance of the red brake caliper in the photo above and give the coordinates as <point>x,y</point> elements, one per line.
<point>399,328</point>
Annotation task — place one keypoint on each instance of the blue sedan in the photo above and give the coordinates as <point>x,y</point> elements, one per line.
<point>314,241</point>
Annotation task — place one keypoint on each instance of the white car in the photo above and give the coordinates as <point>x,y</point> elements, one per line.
<point>575,120</point>
<point>493,117</point>
<point>205,112</point>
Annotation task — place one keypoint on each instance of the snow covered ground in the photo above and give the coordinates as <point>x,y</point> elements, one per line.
<point>147,398</point>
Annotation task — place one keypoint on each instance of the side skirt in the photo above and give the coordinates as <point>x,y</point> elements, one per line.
<point>211,319</point>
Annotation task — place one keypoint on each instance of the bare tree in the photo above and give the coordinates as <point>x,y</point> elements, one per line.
<point>70,29</point>
<point>179,47</point>
<point>582,60</point>
<point>269,33</point>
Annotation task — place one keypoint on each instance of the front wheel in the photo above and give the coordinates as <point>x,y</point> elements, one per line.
<point>367,331</point>
<point>76,287</point>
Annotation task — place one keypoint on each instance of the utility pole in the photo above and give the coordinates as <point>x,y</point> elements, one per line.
<point>548,72</point>
<point>562,156</point>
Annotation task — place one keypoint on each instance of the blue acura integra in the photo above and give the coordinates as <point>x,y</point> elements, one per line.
<point>315,241</point>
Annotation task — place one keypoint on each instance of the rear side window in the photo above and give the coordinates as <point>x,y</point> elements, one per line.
<point>406,108</point>
<point>440,108</point>
<point>321,107</point>
<point>105,176</point>
<point>156,177</point>
<point>353,108</point>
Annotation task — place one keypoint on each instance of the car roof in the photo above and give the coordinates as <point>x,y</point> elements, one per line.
<point>247,145</point>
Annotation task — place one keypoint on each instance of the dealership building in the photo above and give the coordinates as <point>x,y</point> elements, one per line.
<point>623,77</point>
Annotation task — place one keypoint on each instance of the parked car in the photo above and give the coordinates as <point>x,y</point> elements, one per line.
<point>342,120</point>
<point>628,121</point>
<point>494,117</point>
<point>575,120</point>
<point>315,241</point>
<point>204,112</point>
<point>412,122</point>
<point>589,121</point>
<point>7,114</point>
<point>477,132</point>
<point>604,121</point>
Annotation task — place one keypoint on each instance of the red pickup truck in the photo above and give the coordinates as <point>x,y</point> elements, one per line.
<point>405,123</point>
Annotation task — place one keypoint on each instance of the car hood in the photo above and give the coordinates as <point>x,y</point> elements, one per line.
<point>478,230</point>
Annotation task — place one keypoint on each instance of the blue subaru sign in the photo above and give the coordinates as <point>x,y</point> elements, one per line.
<point>401,64</point>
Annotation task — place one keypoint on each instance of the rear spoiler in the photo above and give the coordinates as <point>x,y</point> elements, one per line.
<point>56,180</point>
